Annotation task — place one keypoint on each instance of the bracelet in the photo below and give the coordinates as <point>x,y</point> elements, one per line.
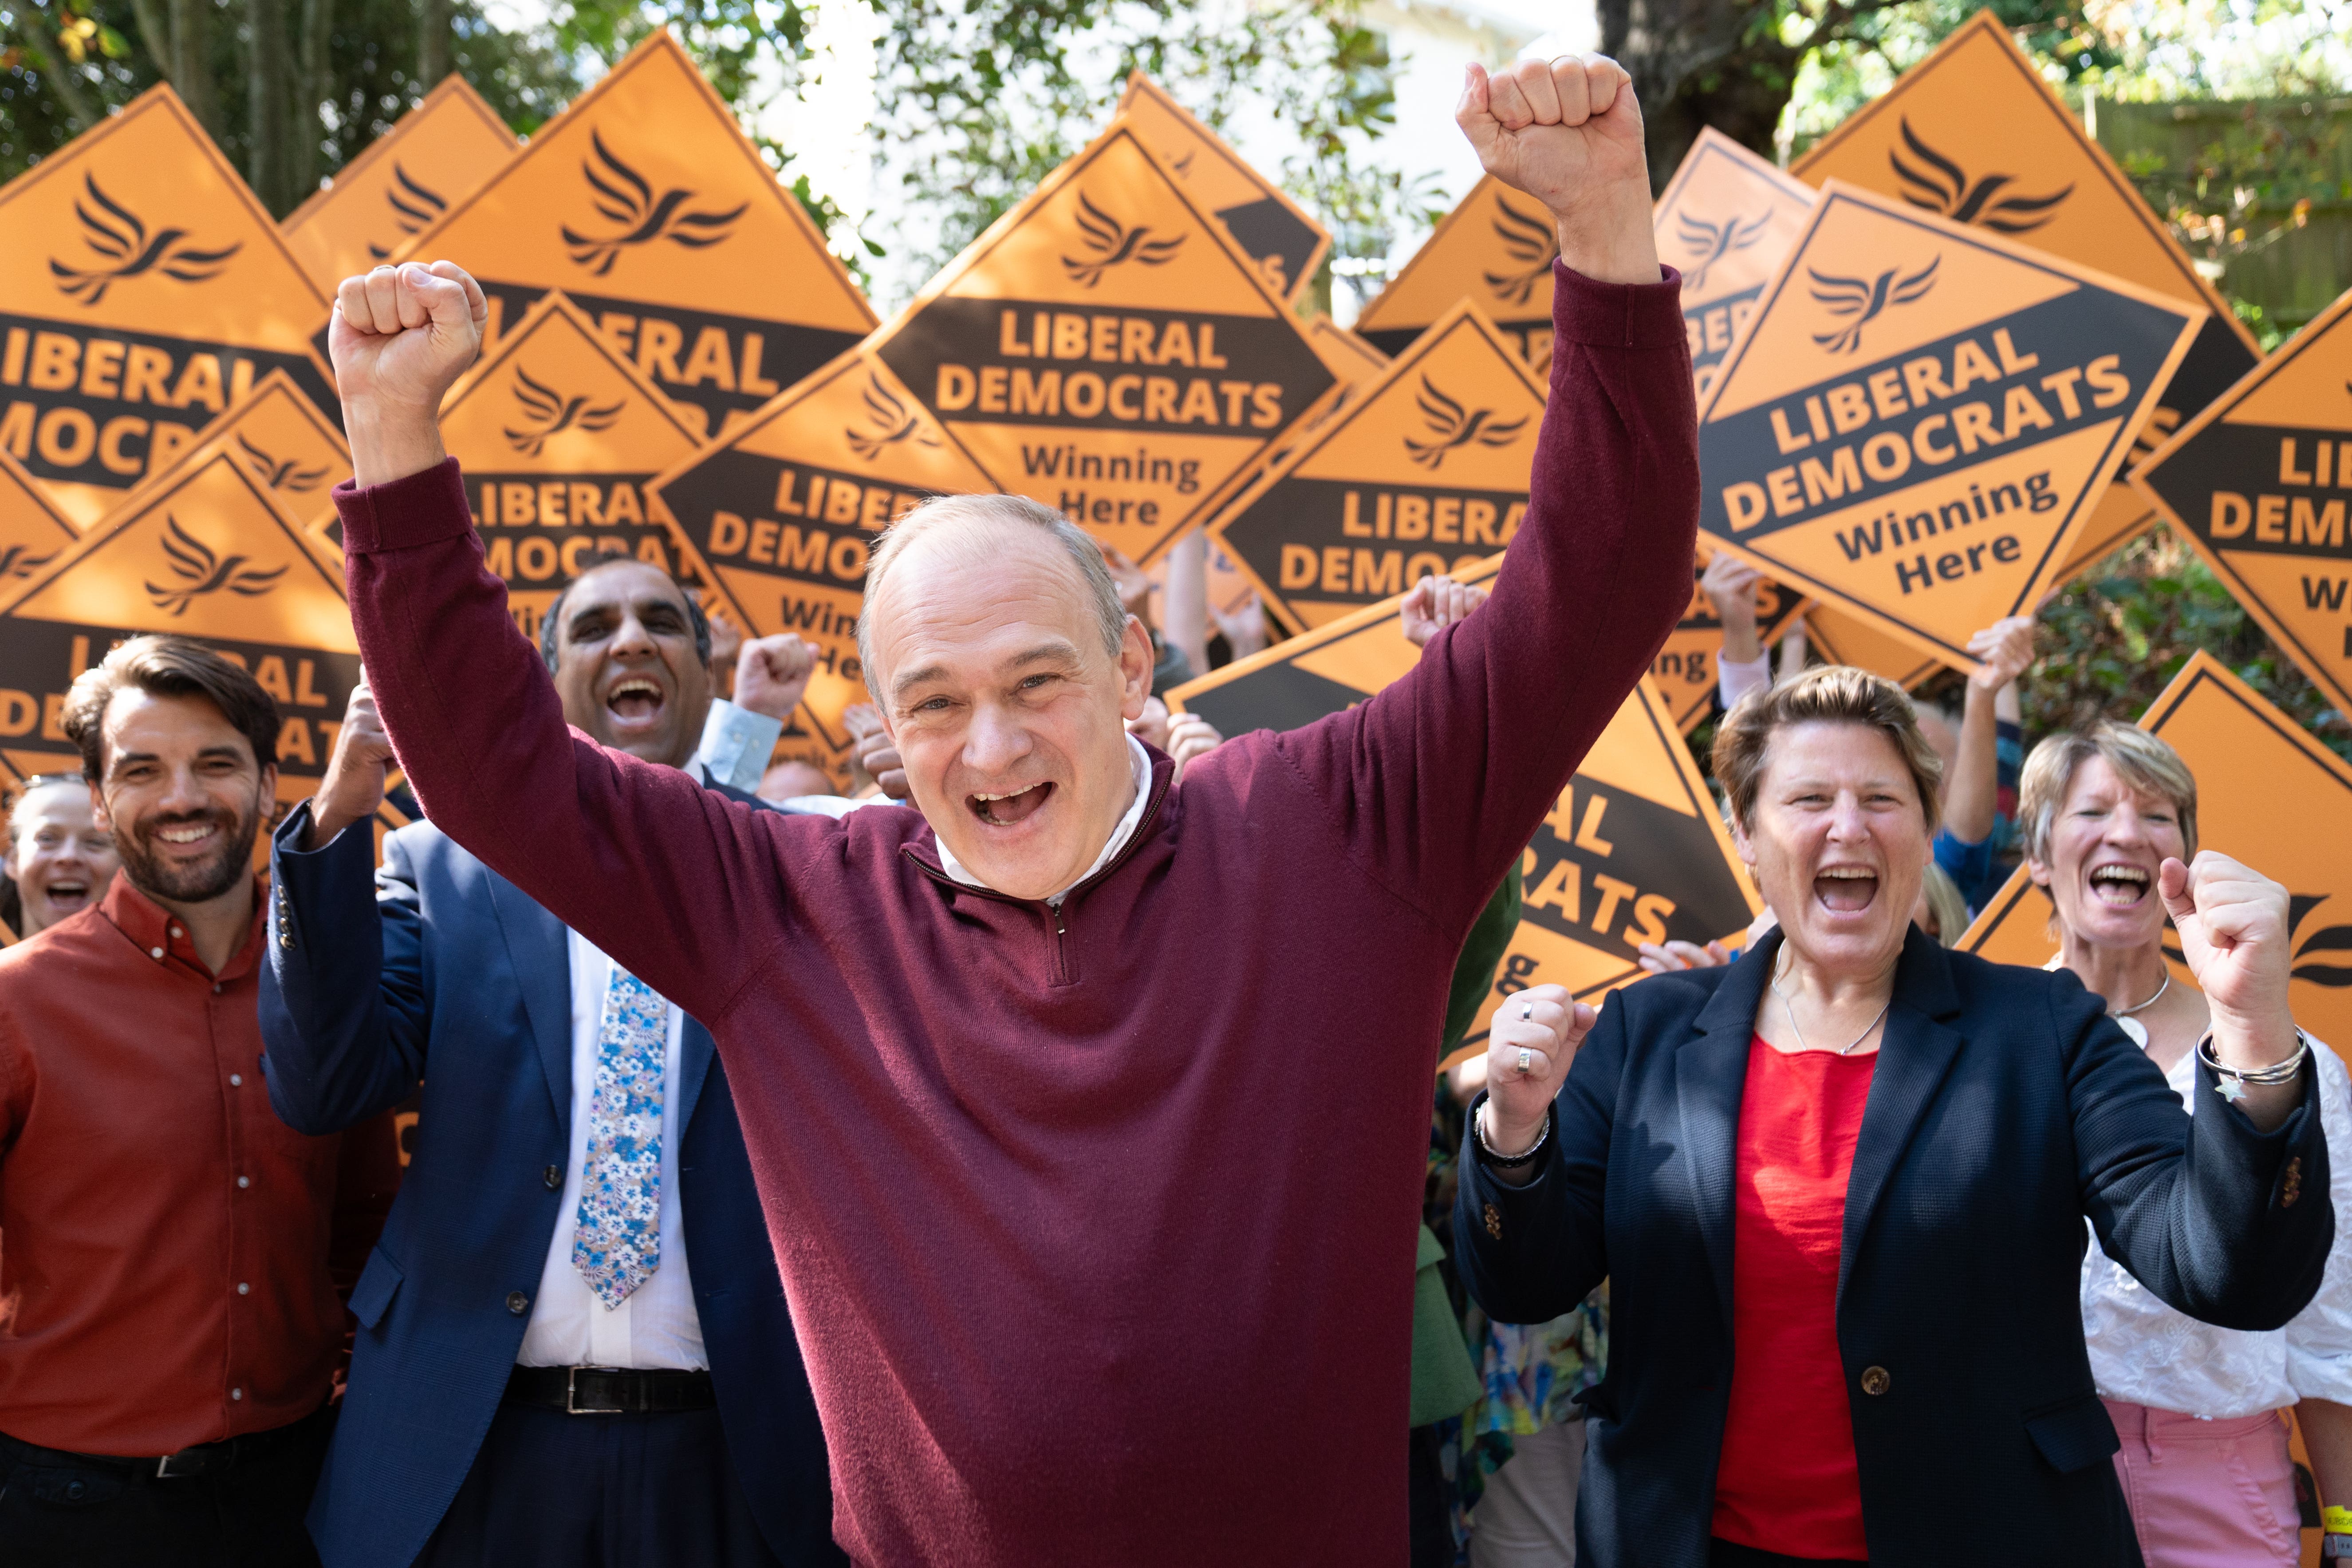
<point>2233,1087</point>
<point>1508,1161</point>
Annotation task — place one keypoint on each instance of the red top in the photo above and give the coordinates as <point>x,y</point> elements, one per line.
<point>158,1302</point>
<point>1053,1184</point>
<point>1787,1481</point>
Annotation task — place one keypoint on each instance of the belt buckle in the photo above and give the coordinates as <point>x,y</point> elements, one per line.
<point>572,1406</point>
<point>191,1462</point>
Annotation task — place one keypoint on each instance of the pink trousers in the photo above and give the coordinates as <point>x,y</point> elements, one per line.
<point>2208,1494</point>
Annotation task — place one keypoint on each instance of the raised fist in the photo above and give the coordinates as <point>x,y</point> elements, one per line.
<point>1568,132</point>
<point>771,674</point>
<point>399,338</point>
<point>1530,1041</point>
<point>2232,922</point>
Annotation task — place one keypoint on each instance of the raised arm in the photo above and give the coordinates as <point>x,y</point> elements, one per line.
<point>1440,781</point>
<point>595,837</point>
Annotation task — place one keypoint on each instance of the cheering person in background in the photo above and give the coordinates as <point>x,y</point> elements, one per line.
<point>1837,1187</point>
<point>2204,1459</point>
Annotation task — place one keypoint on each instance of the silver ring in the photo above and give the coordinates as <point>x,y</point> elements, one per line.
<point>1527,1059</point>
<point>1526,1012</point>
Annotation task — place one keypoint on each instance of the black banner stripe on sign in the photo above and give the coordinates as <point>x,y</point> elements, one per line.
<point>38,661</point>
<point>1712,327</point>
<point>1276,696</point>
<point>2217,357</point>
<point>1008,361</point>
<point>722,364</point>
<point>545,529</point>
<point>1615,870</point>
<point>1266,228</point>
<point>1529,337</point>
<point>794,521</point>
<point>83,405</point>
<point>2263,490</point>
<point>2007,386</point>
<point>1371,542</point>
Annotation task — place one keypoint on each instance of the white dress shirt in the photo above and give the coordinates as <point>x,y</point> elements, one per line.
<point>1140,760</point>
<point>2144,1353</point>
<point>657,1324</point>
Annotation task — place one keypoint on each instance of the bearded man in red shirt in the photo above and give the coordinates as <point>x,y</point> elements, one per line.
<point>1088,1111</point>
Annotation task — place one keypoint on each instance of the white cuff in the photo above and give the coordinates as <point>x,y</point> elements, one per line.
<point>1734,680</point>
<point>736,745</point>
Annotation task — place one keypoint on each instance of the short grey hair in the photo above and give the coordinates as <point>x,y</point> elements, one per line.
<point>2146,763</point>
<point>1094,581</point>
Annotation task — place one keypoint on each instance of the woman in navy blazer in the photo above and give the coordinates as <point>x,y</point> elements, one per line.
<point>1838,1188</point>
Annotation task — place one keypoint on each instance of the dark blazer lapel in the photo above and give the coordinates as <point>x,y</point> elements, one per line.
<point>694,1053</point>
<point>1710,1079</point>
<point>541,949</point>
<point>1913,1056</point>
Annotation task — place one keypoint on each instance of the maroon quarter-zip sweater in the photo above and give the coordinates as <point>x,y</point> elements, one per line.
<point>1097,1228</point>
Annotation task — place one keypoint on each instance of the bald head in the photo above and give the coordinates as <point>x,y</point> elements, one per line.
<point>963,535</point>
<point>1005,666</point>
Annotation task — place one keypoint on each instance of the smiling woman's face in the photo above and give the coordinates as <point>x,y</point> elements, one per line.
<point>1839,844</point>
<point>2106,842</point>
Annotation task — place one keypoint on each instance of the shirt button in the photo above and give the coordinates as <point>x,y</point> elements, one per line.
<point>243,1289</point>
<point>553,1177</point>
<point>236,1080</point>
<point>1874,1380</point>
<point>154,952</point>
<point>236,1393</point>
<point>245,1180</point>
<point>217,990</point>
<point>518,1303</point>
<point>177,932</point>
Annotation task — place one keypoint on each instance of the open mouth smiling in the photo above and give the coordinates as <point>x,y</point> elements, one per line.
<point>635,700</point>
<point>68,896</point>
<point>1010,808</point>
<point>2118,886</point>
<point>1846,888</point>
<point>180,835</point>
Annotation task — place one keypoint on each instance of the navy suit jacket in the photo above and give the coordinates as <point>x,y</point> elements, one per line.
<point>2003,1108</point>
<point>439,969</point>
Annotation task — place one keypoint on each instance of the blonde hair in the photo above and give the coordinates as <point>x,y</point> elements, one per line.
<point>2146,763</point>
<point>1944,901</point>
<point>1835,694</point>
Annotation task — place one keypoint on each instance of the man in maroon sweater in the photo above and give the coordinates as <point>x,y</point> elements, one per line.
<point>1088,1114</point>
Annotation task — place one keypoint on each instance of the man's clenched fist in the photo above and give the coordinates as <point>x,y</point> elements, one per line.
<point>400,336</point>
<point>1568,132</point>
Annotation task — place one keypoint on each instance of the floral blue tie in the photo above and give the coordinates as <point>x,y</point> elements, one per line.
<point>617,1244</point>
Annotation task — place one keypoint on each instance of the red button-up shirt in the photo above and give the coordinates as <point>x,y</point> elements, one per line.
<point>166,1234</point>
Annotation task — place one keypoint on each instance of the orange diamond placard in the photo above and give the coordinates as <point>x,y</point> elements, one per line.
<point>1686,668</point>
<point>143,290</point>
<point>1496,250</point>
<point>291,449</point>
<point>644,202</point>
<point>1847,639</point>
<point>558,436</point>
<point>2257,483</point>
<point>1105,349</point>
<point>1424,473</point>
<point>2263,784</point>
<point>1973,133</point>
<point>441,152</point>
<point>1919,421</point>
<point>1264,224</point>
<point>208,555</point>
<point>33,532</point>
<point>1633,852</point>
<point>1726,220</point>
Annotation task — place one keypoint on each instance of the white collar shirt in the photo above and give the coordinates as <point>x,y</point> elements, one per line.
<point>656,1326</point>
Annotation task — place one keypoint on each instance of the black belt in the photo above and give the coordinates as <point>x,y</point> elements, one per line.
<point>198,1459</point>
<point>610,1390</point>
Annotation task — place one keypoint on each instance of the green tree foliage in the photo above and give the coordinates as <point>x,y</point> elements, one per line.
<point>980,103</point>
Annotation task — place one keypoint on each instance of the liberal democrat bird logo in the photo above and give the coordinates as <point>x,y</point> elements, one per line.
<point>288,475</point>
<point>1708,243</point>
<point>414,205</point>
<point>1114,244</point>
<point>1943,186</point>
<point>548,412</point>
<point>1864,300</point>
<point>1530,239</point>
<point>891,420</point>
<point>18,560</point>
<point>623,195</point>
<point>1452,426</point>
<point>131,251</point>
<point>201,571</point>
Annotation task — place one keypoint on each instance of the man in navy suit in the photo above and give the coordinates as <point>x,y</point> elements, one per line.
<point>574,1347</point>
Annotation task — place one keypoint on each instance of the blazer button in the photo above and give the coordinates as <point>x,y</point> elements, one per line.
<point>553,1177</point>
<point>1874,1380</point>
<point>518,1303</point>
<point>2290,1185</point>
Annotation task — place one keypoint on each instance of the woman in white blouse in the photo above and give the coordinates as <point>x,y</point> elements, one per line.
<point>2204,1460</point>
